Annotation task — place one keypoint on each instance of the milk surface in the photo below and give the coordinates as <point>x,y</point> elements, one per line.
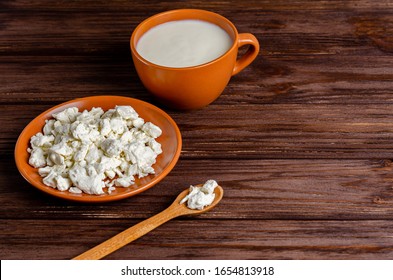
<point>183,43</point>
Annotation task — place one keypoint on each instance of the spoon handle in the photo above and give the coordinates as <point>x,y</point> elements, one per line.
<point>130,234</point>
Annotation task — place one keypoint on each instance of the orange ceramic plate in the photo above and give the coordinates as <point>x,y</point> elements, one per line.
<point>170,141</point>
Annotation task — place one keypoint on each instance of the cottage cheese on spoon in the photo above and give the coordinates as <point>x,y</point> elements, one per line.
<point>91,150</point>
<point>200,197</point>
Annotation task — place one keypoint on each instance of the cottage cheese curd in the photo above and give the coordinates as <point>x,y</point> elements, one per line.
<point>91,150</point>
<point>200,197</point>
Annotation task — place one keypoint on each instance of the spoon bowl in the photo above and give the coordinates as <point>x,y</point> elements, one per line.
<point>184,210</point>
<point>176,209</point>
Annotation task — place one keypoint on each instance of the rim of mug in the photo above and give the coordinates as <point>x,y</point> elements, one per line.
<point>144,22</point>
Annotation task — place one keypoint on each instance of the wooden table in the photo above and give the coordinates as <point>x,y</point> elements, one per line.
<point>301,140</point>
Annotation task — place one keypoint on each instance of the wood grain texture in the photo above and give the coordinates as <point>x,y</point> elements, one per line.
<point>301,140</point>
<point>262,131</point>
<point>179,239</point>
<point>254,189</point>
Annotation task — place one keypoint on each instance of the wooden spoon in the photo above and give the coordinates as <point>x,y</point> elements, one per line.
<point>123,238</point>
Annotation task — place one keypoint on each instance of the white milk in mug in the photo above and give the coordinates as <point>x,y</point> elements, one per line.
<point>184,43</point>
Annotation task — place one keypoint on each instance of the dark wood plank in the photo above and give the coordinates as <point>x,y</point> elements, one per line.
<point>254,189</point>
<point>333,79</point>
<point>261,132</point>
<point>203,239</point>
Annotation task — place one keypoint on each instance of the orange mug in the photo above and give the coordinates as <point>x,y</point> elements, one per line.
<point>192,87</point>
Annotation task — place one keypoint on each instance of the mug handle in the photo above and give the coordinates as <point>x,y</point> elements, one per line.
<point>250,55</point>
